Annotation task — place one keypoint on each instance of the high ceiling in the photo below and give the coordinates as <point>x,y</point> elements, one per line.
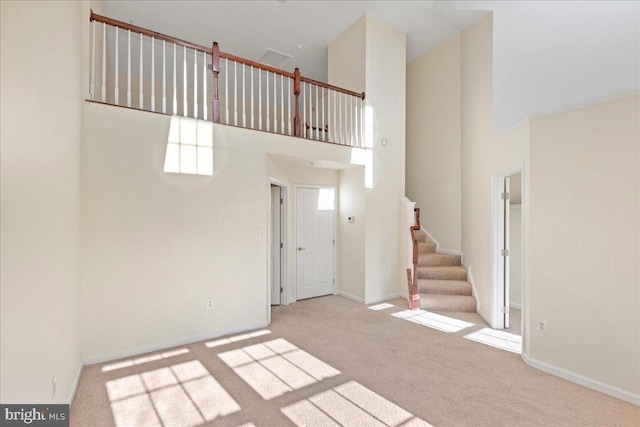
<point>302,29</point>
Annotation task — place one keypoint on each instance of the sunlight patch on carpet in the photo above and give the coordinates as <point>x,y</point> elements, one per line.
<point>182,394</point>
<point>380,306</point>
<point>237,338</point>
<point>496,338</point>
<point>144,359</point>
<point>350,404</point>
<point>275,367</point>
<point>433,320</point>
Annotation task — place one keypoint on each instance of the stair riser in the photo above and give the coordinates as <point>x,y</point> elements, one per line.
<point>426,248</point>
<point>427,273</point>
<point>440,289</point>
<point>466,305</point>
<point>440,261</point>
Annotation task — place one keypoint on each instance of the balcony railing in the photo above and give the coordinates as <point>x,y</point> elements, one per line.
<point>139,68</point>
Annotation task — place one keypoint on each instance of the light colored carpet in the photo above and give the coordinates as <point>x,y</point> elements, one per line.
<point>331,361</point>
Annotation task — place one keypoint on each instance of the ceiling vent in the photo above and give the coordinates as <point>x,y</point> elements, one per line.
<point>275,59</point>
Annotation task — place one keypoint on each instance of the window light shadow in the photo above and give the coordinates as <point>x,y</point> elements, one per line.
<point>433,320</point>
<point>496,338</point>
<point>237,338</point>
<point>184,394</point>
<point>276,367</point>
<point>144,359</point>
<point>349,404</point>
<point>380,306</point>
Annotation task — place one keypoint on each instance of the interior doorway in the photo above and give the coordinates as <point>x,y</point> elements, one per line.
<point>277,240</point>
<point>315,241</point>
<point>508,251</point>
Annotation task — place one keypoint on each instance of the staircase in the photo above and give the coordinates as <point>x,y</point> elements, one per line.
<point>442,282</point>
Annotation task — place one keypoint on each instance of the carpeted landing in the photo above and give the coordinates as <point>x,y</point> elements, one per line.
<point>330,361</point>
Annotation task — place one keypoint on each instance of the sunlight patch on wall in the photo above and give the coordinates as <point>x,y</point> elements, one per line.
<point>276,367</point>
<point>182,394</point>
<point>364,157</point>
<point>350,404</point>
<point>496,338</point>
<point>327,199</point>
<point>189,147</point>
<point>433,320</point>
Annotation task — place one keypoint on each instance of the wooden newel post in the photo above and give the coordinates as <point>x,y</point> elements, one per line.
<point>215,67</point>
<point>296,92</point>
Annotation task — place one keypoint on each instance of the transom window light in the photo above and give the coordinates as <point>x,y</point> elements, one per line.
<point>189,147</point>
<point>327,199</point>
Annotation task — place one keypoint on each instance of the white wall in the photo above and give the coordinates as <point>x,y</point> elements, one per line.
<point>584,220</point>
<point>433,141</point>
<point>384,77</point>
<point>41,86</point>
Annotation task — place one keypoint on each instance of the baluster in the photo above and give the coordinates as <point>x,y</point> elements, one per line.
<point>335,119</point>
<point>244,107</point>
<point>128,68</point>
<point>195,84</point>
<point>275,103</point>
<point>215,69</point>
<point>357,128</point>
<point>235,93</point>
<point>153,74</point>
<point>340,117</point>
<point>282,129</point>
<point>324,125</point>
<point>317,115</point>
<point>175,79</point>
<point>268,120</point>
<point>296,93</point>
<point>289,104</point>
<point>141,97</point>
<point>330,123</point>
<point>226,88</point>
<point>351,116</point>
<point>204,85</point>
<point>185,107</point>
<point>164,78</point>
<point>253,123</point>
<point>93,60</point>
<point>104,62</point>
<point>310,111</point>
<point>362,127</point>
<point>304,110</point>
<point>260,98</point>
<point>117,89</point>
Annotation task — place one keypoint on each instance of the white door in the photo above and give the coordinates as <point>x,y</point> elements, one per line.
<point>276,245</point>
<point>505,253</point>
<point>315,242</point>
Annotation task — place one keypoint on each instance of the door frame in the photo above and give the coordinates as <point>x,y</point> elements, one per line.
<point>284,236</point>
<point>295,235</point>
<point>497,238</point>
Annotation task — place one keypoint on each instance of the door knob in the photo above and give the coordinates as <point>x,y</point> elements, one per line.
<point>300,248</point>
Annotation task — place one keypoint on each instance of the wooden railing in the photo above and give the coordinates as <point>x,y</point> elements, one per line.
<point>168,75</point>
<point>414,297</point>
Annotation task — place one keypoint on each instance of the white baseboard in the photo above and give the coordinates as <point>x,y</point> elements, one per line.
<point>168,344</point>
<point>383,298</point>
<point>516,306</point>
<point>351,297</point>
<point>75,385</point>
<point>583,381</point>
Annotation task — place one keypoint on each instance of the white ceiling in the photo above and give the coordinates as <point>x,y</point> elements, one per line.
<point>248,28</point>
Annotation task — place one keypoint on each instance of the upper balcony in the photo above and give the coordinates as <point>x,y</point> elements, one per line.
<point>139,68</point>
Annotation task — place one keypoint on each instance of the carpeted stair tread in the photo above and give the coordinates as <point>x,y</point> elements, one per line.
<point>444,287</point>
<point>421,236</point>
<point>434,302</point>
<point>442,273</point>
<point>438,260</point>
<point>426,247</point>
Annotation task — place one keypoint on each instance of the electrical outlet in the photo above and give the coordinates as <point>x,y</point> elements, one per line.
<point>541,325</point>
<point>210,303</point>
<point>53,387</point>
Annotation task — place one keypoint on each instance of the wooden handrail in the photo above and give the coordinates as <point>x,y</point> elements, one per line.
<point>414,297</point>
<point>146,32</point>
<point>216,54</point>
<point>331,87</point>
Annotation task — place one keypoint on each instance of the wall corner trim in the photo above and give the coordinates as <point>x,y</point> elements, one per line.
<point>74,389</point>
<point>351,297</point>
<point>596,385</point>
